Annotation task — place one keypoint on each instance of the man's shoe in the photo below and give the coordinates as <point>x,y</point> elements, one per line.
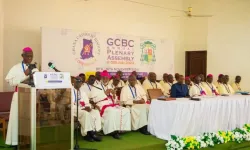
<point>96,138</point>
<point>116,136</point>
<point>145,132</point>
<point>88,138</point>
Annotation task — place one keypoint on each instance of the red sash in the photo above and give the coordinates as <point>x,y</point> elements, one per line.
<point>82,103</point>
<point>106,106</point>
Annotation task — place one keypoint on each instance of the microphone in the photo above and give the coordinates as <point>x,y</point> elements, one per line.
<point>52,66</point>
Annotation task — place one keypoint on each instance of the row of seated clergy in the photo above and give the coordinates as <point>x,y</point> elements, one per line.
<point>208,88</point>
<point>114,117</point>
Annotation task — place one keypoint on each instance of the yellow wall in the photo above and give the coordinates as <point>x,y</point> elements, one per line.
<point>23,19</point>
<point>229,39</point>
<point>1,45</point>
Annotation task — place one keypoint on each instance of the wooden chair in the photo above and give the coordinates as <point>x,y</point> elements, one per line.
<point>154,93</point>
<point>4,119</point>
<point>5,104</point>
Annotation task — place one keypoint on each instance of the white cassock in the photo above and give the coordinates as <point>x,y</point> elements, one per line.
<point>114,118</point>
<point>197,90</point>
<point>139,112</point>
<point>167,87</point>
<point>90,121</point>
<point>14,77</point>
<point>86,88</point>
<point>225,89</point>
<point>210,89</point>
<point>120,84</point>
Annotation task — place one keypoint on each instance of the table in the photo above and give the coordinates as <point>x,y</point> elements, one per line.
<point>184,117</point>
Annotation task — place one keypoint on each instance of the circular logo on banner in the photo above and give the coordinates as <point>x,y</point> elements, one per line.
<point>85,48</point>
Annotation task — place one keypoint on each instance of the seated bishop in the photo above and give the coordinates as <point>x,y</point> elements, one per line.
<point>224,87</point>
<point>135,98</point>
<point>197,89</point>
<point>188,82</point>
<point>119,75</point>
<point>89,119</point>
<point>210,88</point>
<point>114,117</point>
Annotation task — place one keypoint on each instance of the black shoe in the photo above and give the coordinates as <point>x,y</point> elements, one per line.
<point>15,147</point>
<point>88,138</point>
<point>96,138</point>
<point>116,136</point>
<point>144,130</point>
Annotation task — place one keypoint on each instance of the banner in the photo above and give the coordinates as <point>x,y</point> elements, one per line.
<point>80,52</point>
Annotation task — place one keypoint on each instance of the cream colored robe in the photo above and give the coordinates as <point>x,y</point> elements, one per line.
<point>209,87</point>
<point>195,90</point>
<point>217,85</point>
<point>90,121</point>
<point>226,89</point>
<point>86,88</point>
<point>149,85</point>
<point>14,77</point>
<point>236,87</point>
<point>167,87</point>
<point>120,84</point>
<point>114,118</point>
<point>139,112</point>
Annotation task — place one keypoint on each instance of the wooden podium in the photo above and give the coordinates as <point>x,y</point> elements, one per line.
<point>45,120</point>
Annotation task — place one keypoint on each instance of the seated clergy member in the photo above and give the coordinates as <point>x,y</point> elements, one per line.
<point>89,119</point>
<point>116,82</point>
<point>225,88</point>
<point>86,87</point>
<point>179,89</point>
<point>236,84</point>
<point>121,82</point>
<point>135,74</point>
<point>209,87</point>
<point>167,83</point>
<point>18,74</point>
<point>197,89</point>
<point>151,83</point>
<point>83,77</point>
<point>203,81</point>
<point>98,78</point>
<point>133,95</point>
<point>219,81</point>
<point>115,118</point>
<point>188,82</point>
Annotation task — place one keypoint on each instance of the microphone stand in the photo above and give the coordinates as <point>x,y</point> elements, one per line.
<point>78,124</point>
<point>31,82</point>
<point>77,147</point>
